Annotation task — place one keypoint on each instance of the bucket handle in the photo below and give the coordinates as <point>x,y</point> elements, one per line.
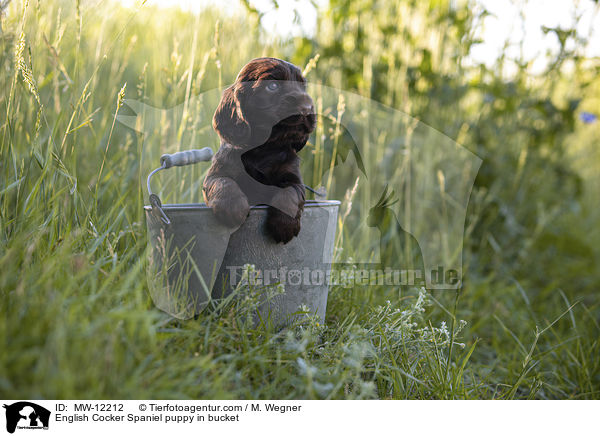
<point>179,159</point>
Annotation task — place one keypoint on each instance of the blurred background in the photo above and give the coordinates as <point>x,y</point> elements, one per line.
<point>514,82</point>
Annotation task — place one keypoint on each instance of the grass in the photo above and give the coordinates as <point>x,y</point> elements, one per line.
<point>76,318</point>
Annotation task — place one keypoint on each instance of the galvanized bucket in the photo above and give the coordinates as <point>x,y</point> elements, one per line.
<point>194,259</point>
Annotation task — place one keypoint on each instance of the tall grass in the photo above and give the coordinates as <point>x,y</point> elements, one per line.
<point>76,319</point>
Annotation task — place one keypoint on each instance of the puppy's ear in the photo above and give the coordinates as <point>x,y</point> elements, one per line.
<point>229,121</point>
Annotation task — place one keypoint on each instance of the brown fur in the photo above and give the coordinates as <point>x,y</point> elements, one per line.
<point>264,119</point>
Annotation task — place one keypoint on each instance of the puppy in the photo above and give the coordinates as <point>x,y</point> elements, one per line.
<point>264,119</point>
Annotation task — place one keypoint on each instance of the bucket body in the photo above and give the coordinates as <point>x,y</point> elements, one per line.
<point>194,259</point>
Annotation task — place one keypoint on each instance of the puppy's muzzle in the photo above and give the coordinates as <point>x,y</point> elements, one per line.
<point>306,107</point>
<point>298,110</point>
<point>299,104</point>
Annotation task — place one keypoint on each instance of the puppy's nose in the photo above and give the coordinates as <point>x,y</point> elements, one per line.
<point>306,109</point>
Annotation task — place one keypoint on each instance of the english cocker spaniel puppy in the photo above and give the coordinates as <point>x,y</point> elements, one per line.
<point>264,119</point>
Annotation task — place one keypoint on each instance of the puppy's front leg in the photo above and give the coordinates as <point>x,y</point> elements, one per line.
<point>226,199</point>
<point>283,219</point>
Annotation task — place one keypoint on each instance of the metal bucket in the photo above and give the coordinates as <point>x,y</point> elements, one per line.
<point>194,259</point>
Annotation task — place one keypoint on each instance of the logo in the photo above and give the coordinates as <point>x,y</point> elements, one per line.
<point>26,415</point>
<point>405,188</point>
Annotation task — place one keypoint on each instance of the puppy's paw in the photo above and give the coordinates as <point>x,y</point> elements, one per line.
<point>231,212</point>
<point>281,227</point>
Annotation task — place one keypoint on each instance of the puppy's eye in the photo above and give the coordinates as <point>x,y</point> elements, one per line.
<point>273,86</point>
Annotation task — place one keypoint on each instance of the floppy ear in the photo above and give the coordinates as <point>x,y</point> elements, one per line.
<point>229,121</point>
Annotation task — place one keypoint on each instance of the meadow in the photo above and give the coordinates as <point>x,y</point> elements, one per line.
<point>76,317</point>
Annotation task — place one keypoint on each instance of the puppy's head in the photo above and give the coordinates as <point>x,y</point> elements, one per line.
<point>267,102</point>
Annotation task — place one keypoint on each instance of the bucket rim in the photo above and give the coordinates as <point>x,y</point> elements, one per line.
<point>203,206</point>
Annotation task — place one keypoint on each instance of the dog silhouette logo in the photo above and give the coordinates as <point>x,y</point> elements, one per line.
<point>26,415</point>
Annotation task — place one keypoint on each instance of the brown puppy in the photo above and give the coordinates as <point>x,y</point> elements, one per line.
<point>263,120</point>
